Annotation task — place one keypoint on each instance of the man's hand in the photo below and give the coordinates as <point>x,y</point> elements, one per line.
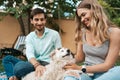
<point>39,70</point>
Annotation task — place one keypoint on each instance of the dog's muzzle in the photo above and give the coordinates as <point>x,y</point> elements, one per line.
<point>68,53</point>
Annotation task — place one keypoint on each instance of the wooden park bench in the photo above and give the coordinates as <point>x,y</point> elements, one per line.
<point>17,49</point>
<point>18,45</point>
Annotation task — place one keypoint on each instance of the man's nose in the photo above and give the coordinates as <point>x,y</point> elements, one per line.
<point>39,21</point>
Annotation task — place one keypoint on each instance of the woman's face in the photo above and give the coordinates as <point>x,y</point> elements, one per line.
<point>85,15</point>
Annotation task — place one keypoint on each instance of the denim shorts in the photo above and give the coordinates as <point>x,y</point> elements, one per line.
<point>112,74</point>
<point>24,67</point>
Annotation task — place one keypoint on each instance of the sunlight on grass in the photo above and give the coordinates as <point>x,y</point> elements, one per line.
<point>1,66</point>
<point>2,69</point>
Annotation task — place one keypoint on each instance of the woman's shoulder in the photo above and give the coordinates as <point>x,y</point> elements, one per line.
<point>115,32</point>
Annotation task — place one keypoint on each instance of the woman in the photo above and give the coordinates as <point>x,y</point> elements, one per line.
<point>98,44</point>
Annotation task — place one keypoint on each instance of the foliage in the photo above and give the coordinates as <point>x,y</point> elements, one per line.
<point>64,7</point>
<point>112,9</point>
<point>114,3</point>
<point>55,9</point>
<point>1,66</point>
<point>116,6</point>
<point>117,21</point>
<point>108,9</point>
<point>2,15</point>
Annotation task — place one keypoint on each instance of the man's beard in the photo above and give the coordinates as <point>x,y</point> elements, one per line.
<point>40,30</point>
<point>40,27</point>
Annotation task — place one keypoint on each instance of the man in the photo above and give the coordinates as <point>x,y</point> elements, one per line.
<point>39,45</point>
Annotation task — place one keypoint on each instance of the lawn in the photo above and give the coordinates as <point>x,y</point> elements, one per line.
<point>2,69</point>
<point>118,61</point>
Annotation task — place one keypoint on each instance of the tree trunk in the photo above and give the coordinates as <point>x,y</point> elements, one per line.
<point>20,20</point>
<point>29,26</point>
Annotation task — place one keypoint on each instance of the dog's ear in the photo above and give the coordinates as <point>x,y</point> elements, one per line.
<point>69,51</point>
<point>52,54</point>
<point>58,48</point>
<point>73,54</point>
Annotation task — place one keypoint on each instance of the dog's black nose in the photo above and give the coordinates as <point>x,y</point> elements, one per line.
<point>68,51</point>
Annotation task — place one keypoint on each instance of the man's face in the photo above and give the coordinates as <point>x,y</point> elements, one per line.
<point>39,21</point>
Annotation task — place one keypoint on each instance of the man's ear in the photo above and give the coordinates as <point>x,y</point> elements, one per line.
<point>31,20</point>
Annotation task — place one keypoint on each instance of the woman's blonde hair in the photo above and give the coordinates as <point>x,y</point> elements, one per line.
<point>99,22</point>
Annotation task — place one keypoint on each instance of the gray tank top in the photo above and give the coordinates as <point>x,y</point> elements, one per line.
<point>95,55</point>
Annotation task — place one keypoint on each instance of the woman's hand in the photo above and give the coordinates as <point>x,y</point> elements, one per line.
<point>39,70</point>
<point>72,66</point>
<point>72,73</point>
<point>71,69</point>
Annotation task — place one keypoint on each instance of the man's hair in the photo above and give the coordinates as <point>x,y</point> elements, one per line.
<point>37,11</point>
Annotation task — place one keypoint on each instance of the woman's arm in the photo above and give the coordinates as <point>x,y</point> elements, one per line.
<point>110,60</point>
<point>79,55</point>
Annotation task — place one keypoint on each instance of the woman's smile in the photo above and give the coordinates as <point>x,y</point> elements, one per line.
<point>85,15</point>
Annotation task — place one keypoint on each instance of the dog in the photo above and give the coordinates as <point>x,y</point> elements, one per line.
<point>54,71</point>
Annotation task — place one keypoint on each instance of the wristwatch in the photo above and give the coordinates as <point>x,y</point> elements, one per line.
<point>83,68</point>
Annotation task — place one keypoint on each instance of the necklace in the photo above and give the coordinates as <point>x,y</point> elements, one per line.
<point>91,39</point>
<point>95,42</point>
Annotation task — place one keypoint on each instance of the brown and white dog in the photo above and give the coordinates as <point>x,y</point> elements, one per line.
<point>54,71</point>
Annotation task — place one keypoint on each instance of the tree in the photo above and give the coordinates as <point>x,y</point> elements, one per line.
<point>116,6</point>
<point>112,9</point>
<point>54,8</point>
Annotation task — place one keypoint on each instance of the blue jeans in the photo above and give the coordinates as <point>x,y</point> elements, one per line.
<point>24,67</point>
<point>112,74</point>
<point>16,67</point>
<point>82,77</point>
<point>8,64</point>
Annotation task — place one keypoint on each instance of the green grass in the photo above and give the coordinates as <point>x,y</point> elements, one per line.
<point>118,61</point>
<point>1,66</point>
<point>2,69</point>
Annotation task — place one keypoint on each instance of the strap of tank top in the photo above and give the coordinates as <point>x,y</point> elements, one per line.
<point>84,34</point>
<point>109,31</point>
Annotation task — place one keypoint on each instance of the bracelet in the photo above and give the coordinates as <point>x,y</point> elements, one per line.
<point>36,65</point>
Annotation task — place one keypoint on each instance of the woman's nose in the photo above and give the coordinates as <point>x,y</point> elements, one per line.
<point>82,19</point>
